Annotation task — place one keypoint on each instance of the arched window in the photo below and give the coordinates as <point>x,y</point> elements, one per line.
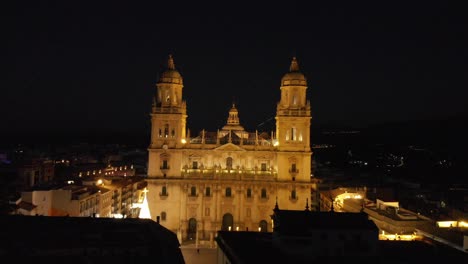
<point>160,133</point>
<point>193,191</point>
<point>263,193</point>
<point>228,192</point>
<point>164,165</point>
<point>229,163</point>
<point>293,194</point>
<point>164,191</point>
<point>166,130</point>
<point>173,133</point>
<point>293,133</point>
<point>163,216</point>
<point>249,193</point>
<point>208,191</point>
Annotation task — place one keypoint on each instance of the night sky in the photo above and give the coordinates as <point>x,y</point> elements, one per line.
<point>92,68</point>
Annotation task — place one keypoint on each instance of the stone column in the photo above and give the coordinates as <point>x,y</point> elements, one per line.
<point>211,239</point>
<point>196,237</point>
<point>183,210</point>
<point>240,205</point>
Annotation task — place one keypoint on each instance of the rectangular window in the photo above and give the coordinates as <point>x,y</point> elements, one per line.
<point>264,167</point>
<point>293,167</point>
<point>195,165</point>
<point>164,166</point>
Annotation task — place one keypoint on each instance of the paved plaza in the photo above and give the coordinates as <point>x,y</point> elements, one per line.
<point>205,255</point>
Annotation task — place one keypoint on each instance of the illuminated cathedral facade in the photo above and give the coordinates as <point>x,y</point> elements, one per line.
<point>229,179</point>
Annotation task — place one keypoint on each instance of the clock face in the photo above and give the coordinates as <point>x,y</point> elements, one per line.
<point>164,146</point>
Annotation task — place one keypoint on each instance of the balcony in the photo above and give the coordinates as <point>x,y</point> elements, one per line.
<point>293,198</point>
<point>264,198</point>
<point>163,196</point>
<point>293,172</point>
<point>230,174</point>
<point>164,169</point>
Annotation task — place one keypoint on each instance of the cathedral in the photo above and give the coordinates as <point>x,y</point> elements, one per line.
<point>229,179</point>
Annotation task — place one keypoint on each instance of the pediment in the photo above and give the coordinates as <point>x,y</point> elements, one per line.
<point>229,147</point>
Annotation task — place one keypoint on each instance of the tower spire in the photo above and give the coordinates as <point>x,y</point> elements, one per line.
<point>170,63</point>
<point>294,65</point>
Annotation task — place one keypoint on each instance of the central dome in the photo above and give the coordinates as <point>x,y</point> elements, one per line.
<point>294,76</point>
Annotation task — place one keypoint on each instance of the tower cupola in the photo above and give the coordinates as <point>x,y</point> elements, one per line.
<point>171,75</point>
<point>294,76</point>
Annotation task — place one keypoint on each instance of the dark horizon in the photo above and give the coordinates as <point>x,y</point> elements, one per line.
<point>447,131</point>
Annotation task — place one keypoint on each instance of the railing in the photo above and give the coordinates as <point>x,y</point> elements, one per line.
<point>234,174</point>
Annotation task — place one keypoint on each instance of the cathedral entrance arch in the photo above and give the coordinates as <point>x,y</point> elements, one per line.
<point>263,225</point>
<point>192,229</point>
<point>228,222</point>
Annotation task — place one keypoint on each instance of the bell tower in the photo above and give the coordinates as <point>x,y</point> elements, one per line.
<point>168,120</point>
<point>293,126</point>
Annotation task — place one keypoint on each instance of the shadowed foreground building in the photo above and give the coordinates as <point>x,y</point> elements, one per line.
<point>332,237</point>
<point>301,236</point>
<point>227,179</point>
<point>87,239</point>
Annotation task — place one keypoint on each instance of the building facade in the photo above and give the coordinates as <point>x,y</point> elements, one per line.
<point>228,179</point>
<point>94,196</point>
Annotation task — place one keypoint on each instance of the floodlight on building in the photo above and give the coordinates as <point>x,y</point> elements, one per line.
<point>229,228</point>
<point>183,141</point>
<point>275,142</point>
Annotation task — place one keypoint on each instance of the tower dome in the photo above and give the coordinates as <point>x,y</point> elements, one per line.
<point>294,76</point>
<point>171,75</point>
